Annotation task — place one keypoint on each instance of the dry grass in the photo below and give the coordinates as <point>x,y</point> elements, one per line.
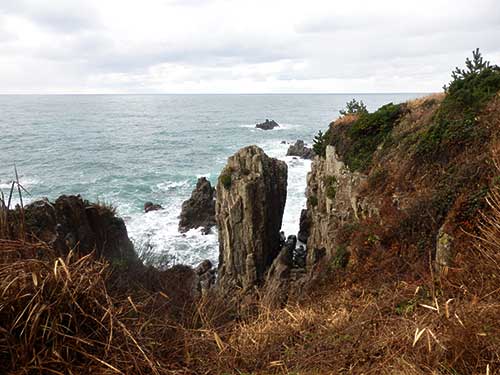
<point>57,317</point>
<point>64,315</point>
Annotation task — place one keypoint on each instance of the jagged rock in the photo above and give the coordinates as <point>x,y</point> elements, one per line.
<point>267,125</point>
<point>150,206</point>
<point>251,195</point>
<point>299,257</point>
<point>206,275</point>
<point>305,222</point>
<point>299,149</point>
<point>204,267</point>
<point>199,209</point>
<point>278,277</point>
<point>73,223</point>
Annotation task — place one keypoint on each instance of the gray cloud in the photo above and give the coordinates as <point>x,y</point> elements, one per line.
<point>90,46</point>
<point>58,16</point>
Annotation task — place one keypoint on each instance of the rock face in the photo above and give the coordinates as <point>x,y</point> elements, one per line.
<point>267,125</point>
<point>299,149</point>
<point>73,223</point>
<point>150,206</point>
<point>251,195</point>
<point>332,201</point>
<point>199,210</point>
<point>304,224</point>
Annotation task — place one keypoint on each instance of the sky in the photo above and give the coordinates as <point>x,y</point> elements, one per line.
<point>240,46</point>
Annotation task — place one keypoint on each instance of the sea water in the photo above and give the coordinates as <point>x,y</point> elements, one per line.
<point>125,150</point>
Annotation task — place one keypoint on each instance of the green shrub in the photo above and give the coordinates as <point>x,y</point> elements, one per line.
<point>363,137</point>
<point>341,257</point>
<point>331,186</point>
<point>225,180</point>
<point>313,200</point>
<point>354,108</point>
<point>455,122</point>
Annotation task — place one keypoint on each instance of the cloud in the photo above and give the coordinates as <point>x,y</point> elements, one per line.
<point>58,16</point>
<point>239,46</point>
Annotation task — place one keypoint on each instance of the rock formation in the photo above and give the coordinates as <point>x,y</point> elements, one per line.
<point>251,195</point>
<point>299,149</point>
<point>267,125</point>
<point>150,206</point>
<point>199,209</point>
<point>304,224</point>
<point>332,200</point>
<point>73,223</point>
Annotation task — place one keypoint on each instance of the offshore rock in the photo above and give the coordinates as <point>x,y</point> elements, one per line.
<point>299,149</point>
<point>73,223</point>
<point>251,195</point>
<point>150,206</point>
<point>199,210</point>
<point>267,125</point>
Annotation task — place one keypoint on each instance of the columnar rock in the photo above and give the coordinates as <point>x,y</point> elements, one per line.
<point>251,195</point>
<point>299,149</point>
<point>199,210</point>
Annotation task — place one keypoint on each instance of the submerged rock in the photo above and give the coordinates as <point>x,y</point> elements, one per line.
<point>251,195</point>
<point>267,125</point>
<point>299,149</point>
<point>150,206</point>
<point>199,209</point>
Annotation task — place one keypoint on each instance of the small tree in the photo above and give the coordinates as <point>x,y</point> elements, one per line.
<point>354,108</point>
<point>319,144</point>
<point>473,68</point>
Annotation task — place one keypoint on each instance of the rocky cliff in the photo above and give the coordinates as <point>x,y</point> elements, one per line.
<point>385,194</point>
<point>251,195</point>
<point>73,223</point>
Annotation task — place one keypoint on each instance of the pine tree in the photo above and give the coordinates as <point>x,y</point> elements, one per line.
<point>354,108</point>
<point>319,144</point>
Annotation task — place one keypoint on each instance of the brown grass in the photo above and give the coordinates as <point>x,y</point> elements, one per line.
<point>64,315</point>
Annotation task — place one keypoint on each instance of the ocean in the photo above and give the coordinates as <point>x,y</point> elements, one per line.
<point>125,150</point>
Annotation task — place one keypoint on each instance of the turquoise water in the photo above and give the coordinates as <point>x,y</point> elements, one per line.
<point>128,149</point>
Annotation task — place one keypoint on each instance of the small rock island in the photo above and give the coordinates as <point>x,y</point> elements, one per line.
<point>267,125</point>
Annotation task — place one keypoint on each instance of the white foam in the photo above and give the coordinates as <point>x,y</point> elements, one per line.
<point>172,185</point>
<point>281,126</point>
<point>157,232</point>
<point>297,181</point>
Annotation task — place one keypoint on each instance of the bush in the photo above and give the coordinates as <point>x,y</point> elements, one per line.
<point>226,180</point>
<point>354,108</point>
<point>313,200</point>
<point>341,257</point>
<point>456,119</point>
<point>363,137</point>
<point>331,186</point>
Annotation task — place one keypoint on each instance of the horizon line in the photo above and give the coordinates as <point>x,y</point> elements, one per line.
<point>222,93</point>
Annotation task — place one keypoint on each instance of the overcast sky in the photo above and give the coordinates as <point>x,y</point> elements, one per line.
<point>236,46</point>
